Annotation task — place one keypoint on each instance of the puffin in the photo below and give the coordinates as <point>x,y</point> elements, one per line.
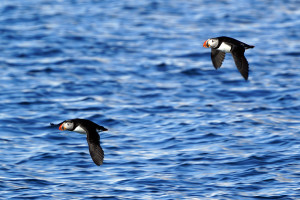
<point>89,128</point>
<point>222,45</point>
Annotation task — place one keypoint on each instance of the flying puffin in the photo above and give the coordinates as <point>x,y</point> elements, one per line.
<point>221,45</point>
<point>89,128</point>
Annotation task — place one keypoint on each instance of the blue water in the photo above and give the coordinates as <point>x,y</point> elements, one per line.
<point>178,128</point>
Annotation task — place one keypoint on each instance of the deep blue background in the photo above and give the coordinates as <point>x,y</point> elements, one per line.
<point>178,129</point>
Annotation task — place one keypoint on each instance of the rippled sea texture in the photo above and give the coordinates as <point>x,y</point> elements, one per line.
<point>178,128</point>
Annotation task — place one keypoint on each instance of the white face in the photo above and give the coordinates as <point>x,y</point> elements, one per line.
<point>213,42</point>
<point>68,126</point>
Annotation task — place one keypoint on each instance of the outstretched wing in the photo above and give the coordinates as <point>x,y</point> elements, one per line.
<point>217,58</point>
<point>96,152</point>
<point>95,149</point>
<point>241,61</point>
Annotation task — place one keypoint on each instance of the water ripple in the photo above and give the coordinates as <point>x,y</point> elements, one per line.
<point>178,128</point>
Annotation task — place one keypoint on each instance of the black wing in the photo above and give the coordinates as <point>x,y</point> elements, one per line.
<point>95,149</point>
<point>241,61</point>
<point>96,152</point>
<point>217,58</point>
<point>93,140</point>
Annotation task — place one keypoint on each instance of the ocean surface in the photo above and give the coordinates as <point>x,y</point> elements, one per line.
<point>178,128</point>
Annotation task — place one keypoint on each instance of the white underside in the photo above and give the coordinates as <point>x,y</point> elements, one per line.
<point>78,129</point>
<point>224,47</point>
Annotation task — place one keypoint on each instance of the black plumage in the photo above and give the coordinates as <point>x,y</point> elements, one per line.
<point>222,45</point>
<point>217,58</point>
<point>91,130</point>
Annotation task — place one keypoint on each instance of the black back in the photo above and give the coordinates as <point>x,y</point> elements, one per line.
<point>237,51</point>
<point>93,137</point>
<point>233,42</point>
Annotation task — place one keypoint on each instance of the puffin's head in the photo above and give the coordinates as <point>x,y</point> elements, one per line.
<point>212,43</point>
<point>67,125</point>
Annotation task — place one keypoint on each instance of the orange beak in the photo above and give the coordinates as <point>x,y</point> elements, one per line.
<point>205,44</point>
<point>61,127</point>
